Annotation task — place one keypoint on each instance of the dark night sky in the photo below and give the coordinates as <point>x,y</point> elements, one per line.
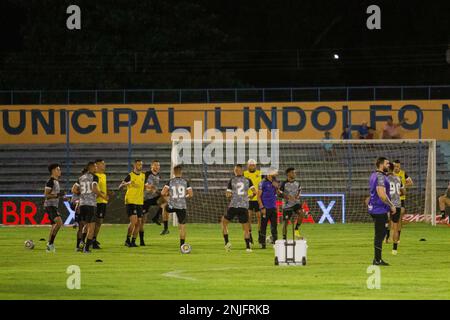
<point>135,44</point>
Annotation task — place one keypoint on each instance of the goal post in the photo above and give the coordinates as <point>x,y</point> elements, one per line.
<point>334,174</point>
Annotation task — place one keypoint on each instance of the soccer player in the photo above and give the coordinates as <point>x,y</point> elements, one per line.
<point>152,197</point>
<point>395,192</point>
<point>290,190</point>
<point>75,206</point>
<point>444,201</point>
<point>52,195</point>
<point>255,176</point>
<point>178,190</point>
<point>101,202</point>
<point>238,190</point>
<point>134,200</point>
<point>87,186</point>
<point>267,201</point>
<point>379,206</point>
<point>406,182</point>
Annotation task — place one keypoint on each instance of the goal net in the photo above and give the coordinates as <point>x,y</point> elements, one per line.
<point>333,174</point>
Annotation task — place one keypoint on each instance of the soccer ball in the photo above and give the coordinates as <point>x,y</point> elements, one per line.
<point>186,248</point>
<point>29,244</point>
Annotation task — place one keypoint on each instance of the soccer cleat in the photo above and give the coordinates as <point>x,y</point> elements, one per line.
<point>164,232</point>
<point>394,252</point>
<point>50,248</point>
<point>127,243</point>
<point>249,250</point>
<point>380,263</point>
<point>86,250</point>
<point>133,245</point>
<point>142,244</point>
<point>98,243</point>
<point>297,234</point>
<point>95,245</point>
<point>228,247</point>
<point>156,220</point>
<point>78,250</point>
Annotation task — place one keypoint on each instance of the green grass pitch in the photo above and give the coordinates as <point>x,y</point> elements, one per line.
<point>338,258</point>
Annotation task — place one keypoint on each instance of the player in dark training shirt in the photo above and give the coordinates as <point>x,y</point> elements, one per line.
<point>290,190</point>
<point>52,195</point>
<point>87,187</point>
<point>153,198</point>
<point>396,190</point>
<point>178,190</point>
<point>238,192</point>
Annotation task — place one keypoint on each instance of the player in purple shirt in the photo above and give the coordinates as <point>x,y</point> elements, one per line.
<point>267,200</point>
<point>380,206</point>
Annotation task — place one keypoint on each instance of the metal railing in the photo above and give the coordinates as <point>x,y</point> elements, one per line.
<point>224,95</point>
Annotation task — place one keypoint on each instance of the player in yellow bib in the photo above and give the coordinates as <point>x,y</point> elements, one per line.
<point>406,182</point>
<point>101,202</point>
<point>134,200</point>
<point>253,206</point>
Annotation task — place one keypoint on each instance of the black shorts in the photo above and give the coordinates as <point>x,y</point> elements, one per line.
<point>150,202</point>
<point>396,217</point>
<point>253,205</point>
<point>87,213</point>
<point>288,212</point>
<point>241,213</point>
<point>134,209</point>
<point>52,213</point>
<point>101,210</point>
<point>402,203</point>
<point>181,214</point>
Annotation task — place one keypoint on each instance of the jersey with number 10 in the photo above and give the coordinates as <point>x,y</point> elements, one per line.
<point>178,188</point>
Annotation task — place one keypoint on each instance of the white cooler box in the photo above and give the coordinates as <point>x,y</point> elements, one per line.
<point>290,252</point>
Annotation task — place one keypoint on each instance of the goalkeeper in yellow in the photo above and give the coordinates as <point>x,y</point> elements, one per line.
<point>253,207</point>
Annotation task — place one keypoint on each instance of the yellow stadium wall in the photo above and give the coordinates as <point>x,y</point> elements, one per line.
<point>29,124</point>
